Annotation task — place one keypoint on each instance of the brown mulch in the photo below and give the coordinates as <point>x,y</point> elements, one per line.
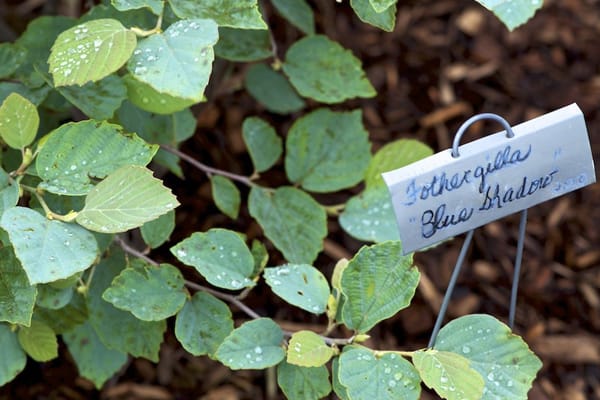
<point>446,60</point>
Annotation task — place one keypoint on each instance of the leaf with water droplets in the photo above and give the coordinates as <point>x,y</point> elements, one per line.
<point>17,295</point>
<point>272,89</point>
<point>147,98</point>
<point>177,62</point>
<point>449,374</point>
<point>49,250</point>
<point>291,219</point>
<point>243,45</point>
<point>156,6</point>
<point>369,216</point>
<point>158,231</point>
<point>502,358</point>
<point>78,151</point>
<point>307,349</point>
<point>90,51</point>
<point>125,199</point>
<point>94,360</point>
<point>323,70</point>
<point>117,329</point>
<point>242,14</point>
<point>203,323</point>
<point>151,293</point>
<point>367,375</point>
<point>220,256</point>
<point>263,143</point>
<point>303,383</point>
<point>38,341</point>
<point>19,121</point>
<point>512,13</point>
<point>13,358</point>
<point>226,195</point>
<point>256,344</point>
<point>301,285</point>
<point>385,19</point>
<point>327,151</point>
<point>298,13</point>
<point>377,283</point>
<point>54,298</point>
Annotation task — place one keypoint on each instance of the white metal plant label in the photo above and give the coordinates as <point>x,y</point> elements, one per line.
<point>442,195</point>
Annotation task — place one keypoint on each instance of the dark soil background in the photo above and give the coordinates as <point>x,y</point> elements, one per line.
<point>446,60</point>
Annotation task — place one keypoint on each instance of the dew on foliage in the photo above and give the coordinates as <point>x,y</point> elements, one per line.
<point>443,379</point>
<point>466,349</point>
<point>258,350</point>
<point>392,383</point>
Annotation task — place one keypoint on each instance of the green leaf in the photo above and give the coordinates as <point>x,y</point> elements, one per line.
<point>449,374</point>
<point>52,297</point>
<point>19,121</point>
<point>38,341</point>
<point>101,148</point>
<point>502,358</point>
<point>301,285</point>
<point>367,375</point>
<point>292,220</point>
<point>382,5</point>
<point>120,330</point>
<point>339,389</point>
<point>66,318</point>
<point>254,345</point>
<point>323,70</point>
<point>369,216</point>
<point>126,199</point>
<point>158,231</point>
<point>38,39</point>
<point>242,14</point>
<point>394,155</point>
<point>177,62</point>
<point>226,195</point>
<point>202,324</point>
<point>36,96</point>
<point>263,144</point>
<point>243,45</point>
<point>99,99</point>
<point>377,283</point>
<point>147,98</point>
<point>48,249</point>
<point>90,51</point>
<point>261,257</point>
<point>13,358</point>
<point>9,192</point>
<point>327,151</point>
<point>307,349</point>
<point>94,360</point>
<point>512,13</point>
<point>148,292</point>
<point>219,255</point>
<point>272,90</point>
<point>299,383</point>
<point>156,6</point>
<point>386,19</point>
<point>11,58</point>
<point>298,13</point>
<point>142,18</point>
<point>17,296</point>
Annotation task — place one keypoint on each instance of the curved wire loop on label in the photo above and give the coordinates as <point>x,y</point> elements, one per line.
<point>509,132</point>
<point>463,251</point>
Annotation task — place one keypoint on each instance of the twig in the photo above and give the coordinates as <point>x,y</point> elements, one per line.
<point>206,169</point>
<point>134,252</point>
<point>224,296</point>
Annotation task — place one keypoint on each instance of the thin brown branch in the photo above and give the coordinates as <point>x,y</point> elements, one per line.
<point>134,252</point>
<point>207,169</point>
<point>224,296</point>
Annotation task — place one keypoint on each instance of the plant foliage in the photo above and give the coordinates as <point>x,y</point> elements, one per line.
<point>70,190</point>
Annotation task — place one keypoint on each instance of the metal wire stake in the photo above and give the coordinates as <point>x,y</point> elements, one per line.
<point>451,284</point>
<point>517,271</point>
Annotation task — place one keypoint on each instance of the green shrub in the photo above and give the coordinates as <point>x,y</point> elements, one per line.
<point>69,189</point>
